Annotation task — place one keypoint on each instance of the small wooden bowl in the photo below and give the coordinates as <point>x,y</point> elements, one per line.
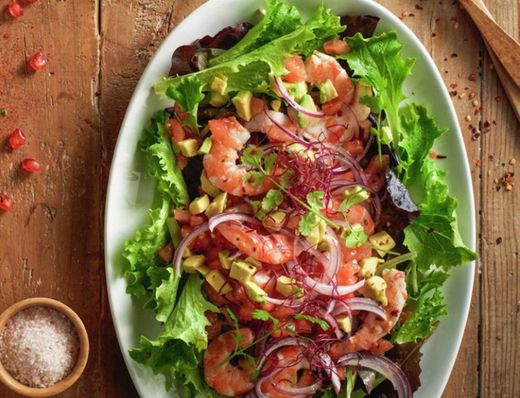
<point>81,362</point>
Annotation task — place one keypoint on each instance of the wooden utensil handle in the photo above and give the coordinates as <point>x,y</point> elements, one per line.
<point>505,47</point>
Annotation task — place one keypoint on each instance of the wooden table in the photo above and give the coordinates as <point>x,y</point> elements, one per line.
<point>51,244</point>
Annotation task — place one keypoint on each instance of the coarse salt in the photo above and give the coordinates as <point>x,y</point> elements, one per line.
<point>39,346</point>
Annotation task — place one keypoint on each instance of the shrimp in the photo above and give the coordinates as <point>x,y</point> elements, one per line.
<point>321,67</point>
<point>221,374</point>
<point>292,370</point>
<point>263,123</point>
<point>274,248</point>
<point>375,328</point>
<point>228,139</point>
<point>339,127</point>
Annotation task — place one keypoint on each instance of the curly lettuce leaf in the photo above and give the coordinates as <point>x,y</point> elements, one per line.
<point>188,94</point>
<point>161,161</point>
<point>176,352</point>
<point>141,251</point>
<point>422,320</point>
<point>279,20</point>
<point>379,63</point>
<point>253,70</point>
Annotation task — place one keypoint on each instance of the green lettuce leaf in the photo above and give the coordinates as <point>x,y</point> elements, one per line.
<point>141,251</point>
<point>422,320</point>
<point>188,94</point>
<point>378,62</point>
<point>176,353</point>
<point>166,295</point>
<point>279,20</point>
<point>161,161</point>
<point>253,70</point>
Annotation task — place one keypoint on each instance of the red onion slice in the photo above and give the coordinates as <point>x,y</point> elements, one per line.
<point>214,221</point>
<point>292,135</point>
<point>330,369</point>
<point>299,391</point>
<point>382,365</point>
<point>335,256</point>
<point>185,243</point>
<point>330,290</point>
<point>364,304</point>
<point>285,95</point>
<point>289,341</point>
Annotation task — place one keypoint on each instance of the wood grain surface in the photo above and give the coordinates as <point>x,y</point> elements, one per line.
<point>51,243</point>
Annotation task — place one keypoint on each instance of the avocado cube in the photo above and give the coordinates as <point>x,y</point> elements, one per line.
<point>207,186</point>
<point>308,103</point>
<point>189,147</point>
<point>192,263</point>
<point>300,150</point>
<point>218,282</point>
<point>242,271</point>
<point>296,90</point>
<point>287,286</point>
<point>206,146</point>
<point>255,292</point>
<point>344,323</point>
<point>219,85</point>
<point>318,234</point>
<point>276,104</point>
<point>203,270</point>
<point>224,259</point>
<point>242,102</point>
<point>368,266</point>
<point>375,288</point>
<point>253,261</point>
<point>218,100</point>
<point>199,205</point>
<point>357,192</point>
<point>327,91</point>
<point>218,205</point>
<point>382,242</point>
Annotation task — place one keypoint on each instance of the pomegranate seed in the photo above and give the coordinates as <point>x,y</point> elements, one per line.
<point>37,61</point>
<point>16,139</point>
<point>6,202</point>
<point>31,166</point>
<point>14,9</point>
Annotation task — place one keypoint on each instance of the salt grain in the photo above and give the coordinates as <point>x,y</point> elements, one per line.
<point>39,346</point>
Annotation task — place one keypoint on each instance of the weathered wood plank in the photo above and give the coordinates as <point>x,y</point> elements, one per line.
<point>50,244</point>
<point>500,305</point>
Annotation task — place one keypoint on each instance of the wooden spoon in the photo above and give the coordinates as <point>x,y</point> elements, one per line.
<point>498,37</point>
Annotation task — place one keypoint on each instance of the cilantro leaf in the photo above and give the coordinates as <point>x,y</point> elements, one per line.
<point>422,320</point>
<point>356,196</point>
<point>263,315</point>
<point>378,62</point>
<point>252,156</point>
<point>315,200</point>
<point>354,236</point>
<point>188,94</point>
<point>272,200</point>
<point>307,223</point>
<point>320,322</point>
<point>255,178</point>
<point>270,162</point>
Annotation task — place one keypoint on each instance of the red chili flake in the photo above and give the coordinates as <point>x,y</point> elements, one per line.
<point>31,166</point>
<point>453,86</point>
<point>14,9</point>
<point>37,61</point>
<point>478,163</point>
<point>506,181</point>
<point>16,139</point>
<point>472,77</point>
<point>6,203</point>
<point>499,240</point>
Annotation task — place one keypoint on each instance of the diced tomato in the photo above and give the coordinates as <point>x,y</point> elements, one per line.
<point>346,274</point>
<point>332,107</point>
<point>303,326</point>
<point>381,347</point>
<point>197,220</point>
<point>176,130</point>
<point>282,312</point>
<point>166,253</point>
<point>336,47</point>
<point>257,106</point>
<point>354,147</point>
<point>182,216</point>
<point>296,69</point>
<point>202,242</point>
<point>180,113</point>
<point>357,253</point>
<point>358,214</point>
<point>186,230</point>
<point>376,169</point>
<point>213,295</point>
<point>182,161</point>
<point>245,312</point>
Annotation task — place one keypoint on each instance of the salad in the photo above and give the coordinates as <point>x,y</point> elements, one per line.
<point>302,229</point>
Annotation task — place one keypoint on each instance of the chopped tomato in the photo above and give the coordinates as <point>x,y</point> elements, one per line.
<point>357,253</point>
<point>282,312</point>
<point>376,169</point>
<point>381,347</point>
<point>182,161</point>
<point>331,107</point>
<point>346,274</point>
<point>186,230</point>
<point>257,106</point>
<point>166,253</point>
<point>197,220</point>
<point>245,312</point>
<point>182,216</point>
<point>336,47</point>
<point>354,147</point>
<point>296,69</point>
<point>176,130</point>
<point>179,112</point>
<point>213,295</point>
<point>303,326</point>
